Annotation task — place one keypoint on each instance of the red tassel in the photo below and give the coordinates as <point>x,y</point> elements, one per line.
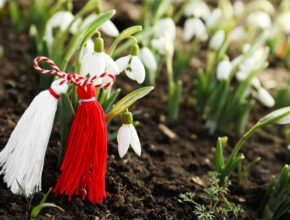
<point>84,165</point>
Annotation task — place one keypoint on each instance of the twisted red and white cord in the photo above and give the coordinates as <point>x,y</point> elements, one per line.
<point>74,78</point>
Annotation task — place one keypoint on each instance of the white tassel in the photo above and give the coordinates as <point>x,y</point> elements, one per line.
<point>22,159</point>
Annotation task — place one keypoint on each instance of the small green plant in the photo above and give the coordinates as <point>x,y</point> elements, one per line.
<point>277,198</point>
<point>33,212</point>
<point>226,167</point>
<point>215,198</point>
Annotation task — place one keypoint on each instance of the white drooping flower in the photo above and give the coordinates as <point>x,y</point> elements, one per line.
<point>194,27</point>
<point>224,70</point>
<point>283,22</point>
<point>217,40</point>
<point>2,3</point>
<point>197,8</point>
<point>108,27</point>
<point>61,20</point>
<point>165,26</point>
<point>259,19</point>
<point>132,65</point>
<point>264,97</point>
<point>237,34</point>
<point>239,8</point>
<point>252,62</point>
<point>147,58</point>
<point>98,62</point>
<point>164,45</point>
<point>214,18</point>
<point>127,135</point>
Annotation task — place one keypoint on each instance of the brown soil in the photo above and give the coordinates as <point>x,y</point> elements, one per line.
<point>138,188</point>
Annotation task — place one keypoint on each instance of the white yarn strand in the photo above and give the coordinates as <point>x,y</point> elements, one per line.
<point>22,159</point>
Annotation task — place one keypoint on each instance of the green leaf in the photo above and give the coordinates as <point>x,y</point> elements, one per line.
<point>283,179</point>
<point>107,104</point>
<point>37,209</point>
<point>66,116</point>
<point>218,161</point>
<point>124,35</point>
<point>127,101</point>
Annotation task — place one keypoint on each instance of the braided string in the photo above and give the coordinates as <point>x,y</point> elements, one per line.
<point>73,78</point>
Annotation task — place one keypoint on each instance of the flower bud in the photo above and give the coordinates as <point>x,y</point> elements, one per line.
<point>217,40</point>
<point>224,70</point>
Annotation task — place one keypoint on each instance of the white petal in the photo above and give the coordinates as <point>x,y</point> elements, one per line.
<point>138,69</point>
<point>265,97</point>
<point>189,29</point>
<point>110,29</point>
<point>124,139</point>
<point>88,49</point>
<point>198,9</point>
<point>239,8</point>
<point>111,66</point>
<point>93,64</point>
<point>259,19</point>
<point>241,75</point>
<point>166,26</point>
<point>159,45</point>
<point>217,40</point>
<point>122,63</point>
<point>283,121</point>
<point>76,26</point>
<point>148,58</point>
<point>214,18</point>
<point>283,22</point>
<point>2,3</point>
<point>237,34</point>
<point>135,142</point>
<point>224,70</point>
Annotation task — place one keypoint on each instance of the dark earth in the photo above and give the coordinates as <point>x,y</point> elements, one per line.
<point>145,187</point>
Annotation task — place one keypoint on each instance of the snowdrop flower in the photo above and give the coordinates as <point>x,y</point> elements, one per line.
<point>108,27</point>
<point>283,22</point>
<point>165,26</point>
<point>148,58</point>
<point>132,65</point>
<point>237,34</point>
<point>264,97</point>
<point>61,20</point>
<point>197,8</point>
<point>164,45</point>
<point>194,27</point>
<point>2,3</point>
<point>224,70</point>
<point>259,19</point>
<point>127,135</point>
<point>239,8</point>
<point>214,18</point>
<point>98,62</point>
<point>217,40</point>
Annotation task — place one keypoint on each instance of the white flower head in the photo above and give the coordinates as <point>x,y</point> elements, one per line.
<point>2,3</point>
<point>239,8</point>
<point>132,65</point>
<point>259,19</point>
<point>165,27</point>
<point>147,58</point>
<point>88,49</point>
<point>98,62</point>
<point>237,34</point>
<point>264,97</point>
<point>197,8</point>
<point>108,27</point>
<point>214,18</point>
<point>127,135</point>
<point>194,27</point>
<point>217,40</point>
<point>224,70</point>
<point>164,45</point>
<point>61,20</point>
<point>283,22</point>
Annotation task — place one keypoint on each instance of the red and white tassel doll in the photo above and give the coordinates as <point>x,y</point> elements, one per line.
<point>84,165</point>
